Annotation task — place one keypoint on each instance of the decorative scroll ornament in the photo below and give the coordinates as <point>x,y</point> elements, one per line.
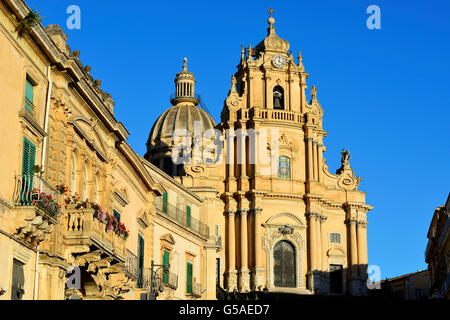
<point>286,229</point>
<point>233,100</point>
<point>346,176</point>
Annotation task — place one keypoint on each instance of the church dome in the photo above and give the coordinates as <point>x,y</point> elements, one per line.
<point>185,115</point>
<point>180,116</point>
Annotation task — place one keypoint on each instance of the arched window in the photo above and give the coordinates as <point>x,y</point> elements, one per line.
<point>284,167</point>
<point>284,264</point>
<point>278,98</point>
<point>95,199</point>
<point>85,183</point>
<point>73,175</point>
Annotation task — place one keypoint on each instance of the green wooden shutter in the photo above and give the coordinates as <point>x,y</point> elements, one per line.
<point>28,157</point>
<point>117,215</point>
<point>140,279</point>
<point>188,216</point>
<point>166,260</point>
<point>28,96</point>
<point>189,277</point>
<point>165,199</point>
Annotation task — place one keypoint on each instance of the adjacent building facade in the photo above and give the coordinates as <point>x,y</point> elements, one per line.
<point>437,253</point>
<point>81,214</point>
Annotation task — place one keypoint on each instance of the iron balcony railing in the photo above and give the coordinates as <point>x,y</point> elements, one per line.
<point>131,265</point>
<point>29,106</point>
<point>179,216</point>
<point>169,279</point>
<point>32,190</point>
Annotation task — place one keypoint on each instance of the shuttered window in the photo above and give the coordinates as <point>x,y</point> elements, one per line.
<point>189,277</point>
<point>140,279</point>
<point>18,281</point>
<point>188,216</point>
<point>166,261</point>
<point>116,215</point>
<point>28,96</point>
<point>165,201</point>
<point>335,237</point>
<point>28,157</point>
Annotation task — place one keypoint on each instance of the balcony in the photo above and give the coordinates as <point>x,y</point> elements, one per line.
<point>29,106</point>
<point>169,280</point>
<point>196,290</point>
<point>37,208</point>
<point>82,230</point>
<point>271,115</point>
<point>131,265</point>
<point>180,217</point>
<point>99,250</point>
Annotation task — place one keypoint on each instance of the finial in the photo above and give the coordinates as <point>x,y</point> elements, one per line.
<point>184,64</point>
<point>271,20</point>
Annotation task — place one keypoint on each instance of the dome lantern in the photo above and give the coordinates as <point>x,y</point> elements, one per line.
<point>184,87</point>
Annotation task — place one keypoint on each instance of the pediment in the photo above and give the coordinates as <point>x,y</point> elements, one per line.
<point>168,237</point>
<point>336,252</point>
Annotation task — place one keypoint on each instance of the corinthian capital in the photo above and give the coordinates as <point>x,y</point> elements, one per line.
<point>230,212</point>
<point>243,211</point>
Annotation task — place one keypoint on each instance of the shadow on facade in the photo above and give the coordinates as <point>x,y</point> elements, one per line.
<point>336,283</point>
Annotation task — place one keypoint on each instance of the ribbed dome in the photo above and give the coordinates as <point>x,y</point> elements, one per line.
<point>181,116</point>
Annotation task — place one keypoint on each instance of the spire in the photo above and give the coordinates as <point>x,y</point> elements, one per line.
<point>184,86</point>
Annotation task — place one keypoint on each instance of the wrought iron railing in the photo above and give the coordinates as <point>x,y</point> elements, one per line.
<point>131,264</point>
<point>179,216</point>
<point>169,279</point>
<point>31,190</point>
<point>29,106</point>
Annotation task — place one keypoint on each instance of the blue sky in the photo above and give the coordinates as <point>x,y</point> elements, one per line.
<point>385,92</point>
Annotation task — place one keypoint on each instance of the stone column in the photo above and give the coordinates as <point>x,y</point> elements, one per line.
<point>312,272</point>
<point>315,160</point>
<point>269,102</point>
<point>325,282</point>
<point>354,277</point>
<point>310,159</point>
<point>244,276</point>
<point>230,157</point>
<point>362,254</point>
<point>231,278</point>
<point>320,160</point>
<point>318,242</point>
<point>258,272</point>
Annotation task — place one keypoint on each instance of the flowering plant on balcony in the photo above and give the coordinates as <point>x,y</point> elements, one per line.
<point>44,200</point>
<point>38,169</point>
<point>99,213</point>
<point>62,189</point>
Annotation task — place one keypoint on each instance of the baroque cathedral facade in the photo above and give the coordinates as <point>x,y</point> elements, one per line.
<point>286,221</point>
<point>244,205</point>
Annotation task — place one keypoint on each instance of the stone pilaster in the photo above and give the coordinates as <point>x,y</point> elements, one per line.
<point>244,272</point>
<point>258,270</point>
<point>231,238</point>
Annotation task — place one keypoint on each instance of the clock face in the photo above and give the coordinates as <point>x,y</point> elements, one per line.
<point>279,61</point>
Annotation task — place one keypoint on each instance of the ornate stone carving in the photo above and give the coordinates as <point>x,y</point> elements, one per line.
<point>286,229</point>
